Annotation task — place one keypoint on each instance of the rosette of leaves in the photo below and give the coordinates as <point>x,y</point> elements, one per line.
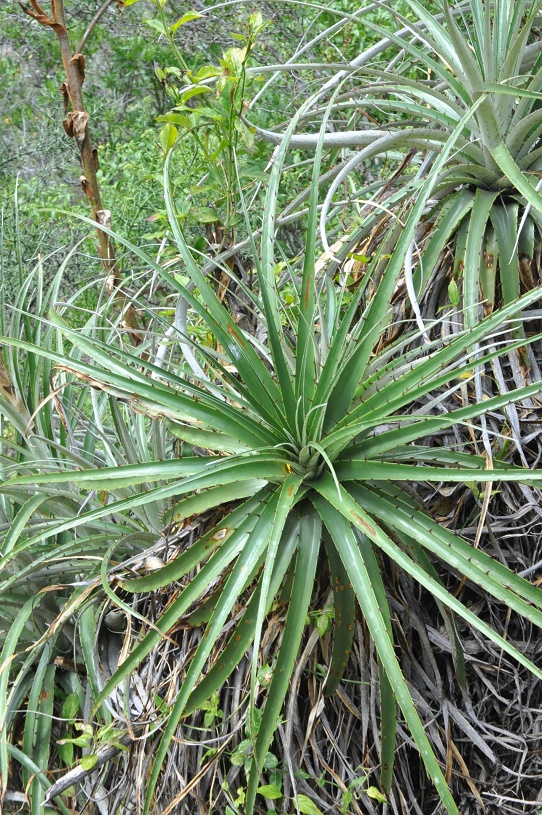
<point>486,199</point>
<point>313,447</point>
<point>487,193</point>
<point>48,564</point>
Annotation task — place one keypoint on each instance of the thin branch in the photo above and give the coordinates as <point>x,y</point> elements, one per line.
<point>77,774</point>
<point>103,8</point>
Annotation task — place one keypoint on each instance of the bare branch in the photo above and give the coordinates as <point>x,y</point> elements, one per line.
<point>103,8</point>
<point>77,774</point>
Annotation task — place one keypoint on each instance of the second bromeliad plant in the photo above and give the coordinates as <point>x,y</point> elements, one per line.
<point>319,441</point>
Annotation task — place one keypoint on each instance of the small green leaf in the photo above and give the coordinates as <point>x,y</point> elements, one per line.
<point>270,762</point>
<point>70,706</point>
<point>246,134</point>
<point>168,136</point>
<point>85,728</point>
<point>158,26</point>
<point>453,293</point>
<point>199,189</point>
<point>256,23</point>
<point>250,171</point>
<point>176,119</point>
<point>376,795</point>
<point>307,807</point>
<point>210,114</point>
<point>204,215</point>
<point>265,675</point>
<point>66,753</point>
<point>243,751</point>
<point>270,791</point>
<point>79,741</point>
<point>206,72</point>
<point>195,92</point>
<point>186,18</point>
<point>322,621</point>
<point>90,761</point>
<point>233,60</point>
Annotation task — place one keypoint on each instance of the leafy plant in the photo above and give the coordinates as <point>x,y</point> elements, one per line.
<point>304,448</point>
<point>209,115</point>
<point>486,196</point>
<point>317,440</point>
<point>49,425</point>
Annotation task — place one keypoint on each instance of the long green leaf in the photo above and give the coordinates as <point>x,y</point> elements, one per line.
<point>199,550</point>
<point>305,374</point>
<point>338,525</point>
<point>253,371</point>
<point>521,182</point>
<point>351,374</point>
<point>366,470</point>
<point>438,38</point>
<point>344,602</point>
<point>156,398</point>
<point>505,221</point>
<point>452,213</point>
<point>42,743</point>
<point>286,500</point>
<point>219,561</point>
<point>478,221</point>
<point>20,521</point>
<point>351,507</point>
<point>129,366</point>
<point>199,503</point>
<point>388,707</point>
<point>416,427</point>
<point>222,473</point>
<point>458,655</point>
<point>436,66</point>
<point>247,559</point>
<point>422,377</point>
<point>243,635</point>
<point>302,588</point>
<point>32,767</point>
<point>470,561</point>
<point>6,656</point>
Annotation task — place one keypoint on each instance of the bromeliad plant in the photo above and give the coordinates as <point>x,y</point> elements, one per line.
<point>486,198</point>
<point>319,440</point>
<point>487,193</point>
<point>48,564</point>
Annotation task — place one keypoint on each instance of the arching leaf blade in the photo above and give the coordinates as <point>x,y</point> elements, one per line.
<point>303,584</point>
<point>243,635</point>
<point>338,525</point>
<point>344,601</point>
<point>246,560</point>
